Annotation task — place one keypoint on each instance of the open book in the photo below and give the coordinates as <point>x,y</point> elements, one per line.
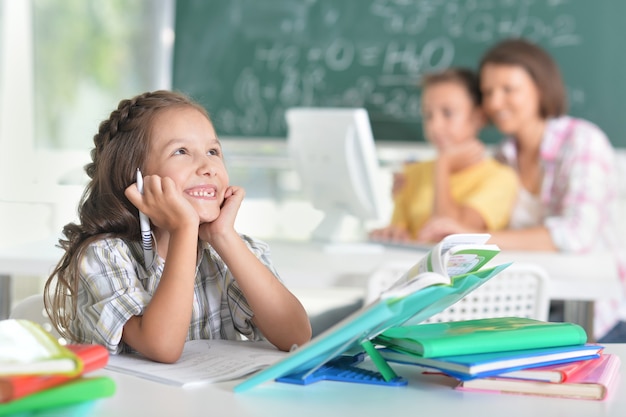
<point>419,294</point>
<point>454,256</point>
<point>203,361</point>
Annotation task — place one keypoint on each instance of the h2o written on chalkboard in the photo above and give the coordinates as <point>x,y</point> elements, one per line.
<point>247,61</point>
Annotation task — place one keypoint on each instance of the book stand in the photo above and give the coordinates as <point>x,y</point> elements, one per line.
<point>344,369</point>
<point>324,357</point>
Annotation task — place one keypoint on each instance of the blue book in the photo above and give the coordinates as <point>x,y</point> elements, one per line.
<point>480,365</point>
<point>419,298</point>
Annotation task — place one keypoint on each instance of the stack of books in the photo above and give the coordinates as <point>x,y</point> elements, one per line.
<point>39,374</point>
<point>507,355</point>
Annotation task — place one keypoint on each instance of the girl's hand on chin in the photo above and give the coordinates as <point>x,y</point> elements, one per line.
<point>225,221</point>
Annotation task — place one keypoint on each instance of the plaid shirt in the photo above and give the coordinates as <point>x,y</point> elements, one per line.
<point>115,285</point>
<point>579,196</point>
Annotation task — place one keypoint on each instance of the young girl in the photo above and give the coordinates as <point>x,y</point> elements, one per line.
<point>206,281</point>
<point>461,183</point>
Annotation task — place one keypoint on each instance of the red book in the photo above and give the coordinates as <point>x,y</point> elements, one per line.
<point>561,372</point>
<point>594,383</point>
<point>12,387</point>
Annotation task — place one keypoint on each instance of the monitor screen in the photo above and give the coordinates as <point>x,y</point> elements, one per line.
<point>333,151</point>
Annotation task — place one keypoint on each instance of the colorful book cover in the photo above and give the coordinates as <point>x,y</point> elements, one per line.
<point>76,391</point>
<point>594,384</point>
<point>92,357</point>
<point>481,335</point>
<point>27,349</point>
<point>489,364</point>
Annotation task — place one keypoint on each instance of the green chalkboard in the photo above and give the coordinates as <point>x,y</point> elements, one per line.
<point>247,61</point>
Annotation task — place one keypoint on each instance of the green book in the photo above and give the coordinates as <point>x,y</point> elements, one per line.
<point>77,391</point>
<point>481,336</point>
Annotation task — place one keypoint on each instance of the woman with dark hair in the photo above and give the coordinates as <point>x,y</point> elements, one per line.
<point>566,166</point>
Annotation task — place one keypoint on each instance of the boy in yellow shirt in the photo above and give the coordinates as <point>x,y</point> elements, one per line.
<point>462,183</point>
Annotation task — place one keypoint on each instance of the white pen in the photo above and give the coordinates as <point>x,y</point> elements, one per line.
<point>144,223</point>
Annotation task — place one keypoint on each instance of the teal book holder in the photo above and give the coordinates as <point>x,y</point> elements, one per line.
<point>314,360</point>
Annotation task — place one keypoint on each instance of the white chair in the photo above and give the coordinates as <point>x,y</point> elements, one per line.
<point>520,290</point>
<point>32,308</point>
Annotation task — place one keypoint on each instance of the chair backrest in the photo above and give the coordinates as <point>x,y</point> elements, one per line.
<point>32,308</point>
<point>520,290</point>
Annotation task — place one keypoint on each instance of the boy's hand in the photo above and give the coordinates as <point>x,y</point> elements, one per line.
<point>399,179</point>
<point>390,234</point>
<point>437,228</point>
<point>462,155</point>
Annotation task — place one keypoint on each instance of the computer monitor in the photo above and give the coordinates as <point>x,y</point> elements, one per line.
<point>333,151</point>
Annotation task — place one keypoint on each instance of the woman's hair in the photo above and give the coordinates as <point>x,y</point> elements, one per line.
<point>539,65</point>
<point>120,147</point>
<point>467,78</point>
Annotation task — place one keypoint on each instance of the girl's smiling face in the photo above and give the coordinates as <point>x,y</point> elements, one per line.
<point>184,147</point>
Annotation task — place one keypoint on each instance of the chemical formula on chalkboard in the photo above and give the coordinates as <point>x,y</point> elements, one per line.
<point>247,61</point>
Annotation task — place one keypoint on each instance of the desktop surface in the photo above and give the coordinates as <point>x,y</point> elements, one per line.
<point>424,394</point>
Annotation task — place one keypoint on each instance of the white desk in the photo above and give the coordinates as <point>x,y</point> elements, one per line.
<point>579,280</point>
<point>424,395</point>
<point>308,268</point>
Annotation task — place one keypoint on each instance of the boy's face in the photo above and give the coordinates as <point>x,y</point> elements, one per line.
<point>185,148</point>
<point>449,116</point>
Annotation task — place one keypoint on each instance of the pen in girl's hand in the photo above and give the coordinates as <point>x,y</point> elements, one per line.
<point>144,223</point>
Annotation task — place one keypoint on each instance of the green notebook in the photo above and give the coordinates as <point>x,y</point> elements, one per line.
<point>77,391</point>
<point>480,336</point>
